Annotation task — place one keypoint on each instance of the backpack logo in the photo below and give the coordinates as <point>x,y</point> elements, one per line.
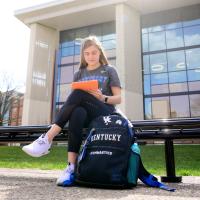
<point>107,120</point>
<point>118,122</point>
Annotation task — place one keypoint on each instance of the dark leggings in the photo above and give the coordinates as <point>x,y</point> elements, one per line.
<point>80,108</point>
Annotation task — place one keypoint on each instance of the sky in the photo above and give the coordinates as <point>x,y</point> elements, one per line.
<point>14,42</point>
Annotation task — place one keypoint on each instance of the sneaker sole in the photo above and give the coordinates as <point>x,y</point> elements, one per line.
<point>34,155</point>
<point>66,184</point>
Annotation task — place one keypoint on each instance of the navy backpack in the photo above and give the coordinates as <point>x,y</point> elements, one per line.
<point>110,157</point>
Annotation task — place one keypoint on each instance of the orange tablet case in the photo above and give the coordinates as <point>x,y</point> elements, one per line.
<point>85,85</point>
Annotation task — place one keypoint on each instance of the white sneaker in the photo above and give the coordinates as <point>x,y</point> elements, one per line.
<point>38,147</point>
<point>67,177</point>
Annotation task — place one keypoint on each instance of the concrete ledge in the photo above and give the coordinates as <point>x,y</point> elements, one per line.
<point>22,184</point>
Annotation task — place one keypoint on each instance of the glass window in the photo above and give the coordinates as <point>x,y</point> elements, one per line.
<point>96,30</point>
<point>58,75</point>
<point>145,43</point>
<point>177,77</point>
<point>67,38</point>
<point>77,58</point>
<point>67,74</point>
<point>195,105</point>
<point>65,90</point>
<point>58,57</point>
<point>193,58</point>
<point>176,60</point>
<point>159,78</point>
<point>159,89</point>
<point>108,31</point>
<point>191,22</point>
<point>67,51</point>
<point>178,87</point>
<point>58,107</point>
<point>194,86</point>
<point>147,87</point>
<point>192,35</point>
<point>110,53</point>
<point>67,60</point>
<point>157,41</point>
<point>57,93</point>
<point>109,44</point>
<point>179,109</point>
<point>156,28</point>
<point>81,33</point>
<point>146,64</point>
<point>174,38</point>
<point>76,68</point>
<point>147,108</point>
<point>112,61</point>
<point>144,30</point>
<point>67,44</point>
<point>173,25</point>
<point>77,49</point>
<point>78,42</point>
<point>194,75</point>
<point>160,107</point>
<point>158,63</point>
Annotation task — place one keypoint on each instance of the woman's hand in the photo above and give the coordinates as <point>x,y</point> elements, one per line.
<point>97,93</point>
<point>113,100</point>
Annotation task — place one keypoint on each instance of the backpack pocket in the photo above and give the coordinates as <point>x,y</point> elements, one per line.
<point>103,165</point>
<point>133,165</point>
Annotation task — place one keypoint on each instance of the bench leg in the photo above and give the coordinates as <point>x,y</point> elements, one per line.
<point>170,164</point>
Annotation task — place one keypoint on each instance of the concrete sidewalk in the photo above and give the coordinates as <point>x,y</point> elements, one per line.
<point>26,184</point>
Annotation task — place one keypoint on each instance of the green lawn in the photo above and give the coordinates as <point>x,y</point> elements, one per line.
<point>186,156</point>
<point>187,159</point>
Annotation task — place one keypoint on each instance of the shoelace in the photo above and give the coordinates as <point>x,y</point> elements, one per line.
<point>41,140</point>
<point>68,170</point>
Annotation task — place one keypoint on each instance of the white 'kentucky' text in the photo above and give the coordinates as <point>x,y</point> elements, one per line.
<point>109,137</point>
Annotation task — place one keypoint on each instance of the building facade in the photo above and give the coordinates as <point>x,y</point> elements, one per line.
<point>154,44</point>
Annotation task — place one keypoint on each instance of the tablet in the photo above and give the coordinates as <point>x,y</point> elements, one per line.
<point>85,85</point>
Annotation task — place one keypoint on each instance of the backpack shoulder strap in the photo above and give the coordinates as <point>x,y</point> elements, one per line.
<point>151,180</point>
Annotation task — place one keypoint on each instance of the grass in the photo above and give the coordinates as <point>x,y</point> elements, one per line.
<point>186,157</point>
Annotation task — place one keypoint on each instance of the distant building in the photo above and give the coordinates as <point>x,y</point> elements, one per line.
<point>15,115</point>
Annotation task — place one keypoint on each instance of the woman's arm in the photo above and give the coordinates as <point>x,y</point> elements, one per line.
<point>115,99</point>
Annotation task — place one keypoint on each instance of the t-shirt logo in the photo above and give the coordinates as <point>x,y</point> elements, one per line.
<point>103,71</point>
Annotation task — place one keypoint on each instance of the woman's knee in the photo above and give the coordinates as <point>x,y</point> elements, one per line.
<point>78,93</point>
<point>79,115</point>
<point>79,111</point>
<point>76,96</point>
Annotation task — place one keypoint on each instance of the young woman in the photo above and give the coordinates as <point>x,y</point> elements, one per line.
<point>82,106</point>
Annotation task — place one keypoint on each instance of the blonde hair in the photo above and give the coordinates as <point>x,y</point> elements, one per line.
<point>92,41</point>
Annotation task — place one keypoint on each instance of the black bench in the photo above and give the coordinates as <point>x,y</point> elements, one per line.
<point>166,130</point>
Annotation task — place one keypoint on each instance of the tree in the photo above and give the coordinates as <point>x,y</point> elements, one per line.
<point>5,102</point>
<point>7,92</point>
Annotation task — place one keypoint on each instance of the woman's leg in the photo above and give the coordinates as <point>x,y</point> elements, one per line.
<point>77,98</point>
<point>76,124</point>
<point>93,106</point>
